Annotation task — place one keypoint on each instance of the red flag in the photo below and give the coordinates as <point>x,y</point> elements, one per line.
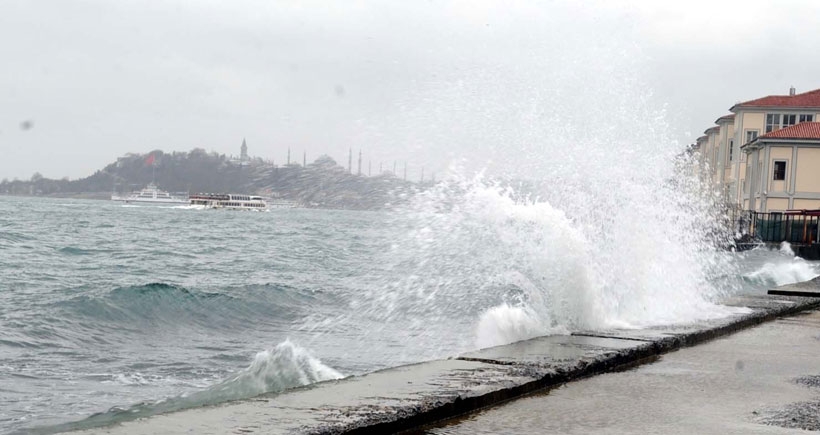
<point>149,160</point>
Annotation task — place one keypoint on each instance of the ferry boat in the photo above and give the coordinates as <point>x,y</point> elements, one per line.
<point>150,195</point>
<point>228,201</point>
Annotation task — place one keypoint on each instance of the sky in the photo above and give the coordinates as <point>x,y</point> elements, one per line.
<point>428,83</point>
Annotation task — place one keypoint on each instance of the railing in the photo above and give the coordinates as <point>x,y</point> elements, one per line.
<point>793,226</point>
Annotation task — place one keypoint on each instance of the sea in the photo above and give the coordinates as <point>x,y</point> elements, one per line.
<point>110,312</point>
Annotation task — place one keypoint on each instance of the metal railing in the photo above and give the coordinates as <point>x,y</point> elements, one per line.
<point>793,226</point>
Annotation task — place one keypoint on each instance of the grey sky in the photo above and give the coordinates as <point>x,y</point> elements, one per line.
<point>425,82</point>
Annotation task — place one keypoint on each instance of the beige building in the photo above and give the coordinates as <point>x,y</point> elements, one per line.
<point>725,149</point>
<point>783,169</point>
<point>753,119</point>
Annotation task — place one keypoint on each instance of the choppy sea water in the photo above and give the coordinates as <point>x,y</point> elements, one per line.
<point>124,311</point>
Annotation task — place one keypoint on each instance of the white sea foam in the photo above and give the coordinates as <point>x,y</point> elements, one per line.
<point>529,267</point>
<point>285,366</point>
<point>786,249</point>
<point>587,217</point>
<point>781,267</point>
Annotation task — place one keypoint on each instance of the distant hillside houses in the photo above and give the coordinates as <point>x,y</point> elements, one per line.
<point>764,156</point>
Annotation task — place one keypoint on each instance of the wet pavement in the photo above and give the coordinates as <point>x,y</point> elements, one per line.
<point>764,380</point>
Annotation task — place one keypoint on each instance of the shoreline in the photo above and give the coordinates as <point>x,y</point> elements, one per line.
<point>412,396</point>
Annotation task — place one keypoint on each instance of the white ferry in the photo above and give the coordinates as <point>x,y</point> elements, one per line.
<point>228,201</point>
<point>150,195</point>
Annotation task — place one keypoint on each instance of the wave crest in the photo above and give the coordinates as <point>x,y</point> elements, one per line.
<point>285,366</point>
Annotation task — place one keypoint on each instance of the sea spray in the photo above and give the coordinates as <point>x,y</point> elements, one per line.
<point>776,267</point>
<point>285,366</point>
<point>585,212</point>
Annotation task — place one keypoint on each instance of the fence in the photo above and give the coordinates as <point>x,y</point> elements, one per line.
<point>793,226</point>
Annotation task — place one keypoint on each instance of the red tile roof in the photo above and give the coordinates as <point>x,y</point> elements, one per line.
<point>804,130</point>
<point>806,99</point>
<point>726,117</point>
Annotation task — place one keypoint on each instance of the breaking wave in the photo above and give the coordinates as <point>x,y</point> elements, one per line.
<point>781,267</point>
<point>283,367</point>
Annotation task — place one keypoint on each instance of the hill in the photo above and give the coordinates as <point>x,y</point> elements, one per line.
<point>321,184</point>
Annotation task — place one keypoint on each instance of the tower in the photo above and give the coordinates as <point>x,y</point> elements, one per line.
<point>243,154</point>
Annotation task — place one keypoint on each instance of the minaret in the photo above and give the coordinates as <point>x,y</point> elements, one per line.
<point>304,159</point>
<point>243,154</point>
<point>405,171</point>
<point>368,167</point>
<point>360,163</point>
<point>394,168</point>
<point>288,156</point>
<point>350,160</point>
<point>422,174</point>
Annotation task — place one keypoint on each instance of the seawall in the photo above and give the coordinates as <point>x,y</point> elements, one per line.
<point>411,396</point>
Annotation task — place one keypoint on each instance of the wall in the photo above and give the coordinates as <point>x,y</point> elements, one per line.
<point>808,170</point>
<point>806,204</point>
<point>779,154</point>
<point>777,204</point>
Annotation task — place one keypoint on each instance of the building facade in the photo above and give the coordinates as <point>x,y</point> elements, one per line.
<point>784,169</point>
<point>743,153</point>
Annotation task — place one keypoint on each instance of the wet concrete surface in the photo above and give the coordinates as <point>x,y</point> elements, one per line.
<point>809,288</point>
<point>763,380</point>
<point>408,397</point>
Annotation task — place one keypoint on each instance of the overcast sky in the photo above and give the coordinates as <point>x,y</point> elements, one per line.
<point>427,82</point>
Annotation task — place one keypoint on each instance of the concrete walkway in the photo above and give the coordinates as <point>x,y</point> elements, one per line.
<point>408,397</point>
<point>764,380</point>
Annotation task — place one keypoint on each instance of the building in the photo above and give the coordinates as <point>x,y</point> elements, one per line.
<point>783,167</point>
<point>243,159</point>
<point>762,116</point>
<point>751,131</point>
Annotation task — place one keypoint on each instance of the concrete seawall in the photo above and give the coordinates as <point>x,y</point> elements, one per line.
<point>410,396</point>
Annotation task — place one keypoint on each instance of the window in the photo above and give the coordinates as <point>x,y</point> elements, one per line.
<point>731,150</point>
<point>788,120</point>
<point>772,122</point>
<point>779,173</point>
<point>751,135</point>
<point>806,118</point>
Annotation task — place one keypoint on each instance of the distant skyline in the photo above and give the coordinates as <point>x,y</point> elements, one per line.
<point>430,83</point>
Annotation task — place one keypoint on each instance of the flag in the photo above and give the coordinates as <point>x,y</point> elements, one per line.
<point>149,160</point>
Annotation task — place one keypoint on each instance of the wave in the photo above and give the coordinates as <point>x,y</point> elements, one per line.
<point>781,267</point>
<point>486,258</point>
<point>73,250</point>
<point>283,367</point>
<point>154,305</point>
<point>14,238</point>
